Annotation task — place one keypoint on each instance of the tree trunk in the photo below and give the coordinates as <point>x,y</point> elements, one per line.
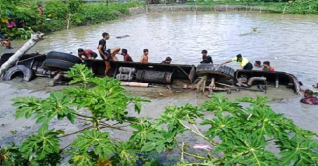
<point>68,21</point>
<point>28,45</point>
<point>135,84</point>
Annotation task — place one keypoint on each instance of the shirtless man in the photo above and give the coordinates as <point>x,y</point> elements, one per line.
<point>6,43</point>
<point>87,53</point>
<point>107,55</point>
<point>144,57</point>
<point>40,10</point>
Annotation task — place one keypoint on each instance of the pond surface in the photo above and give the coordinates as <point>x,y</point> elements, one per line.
<point>289,42</point>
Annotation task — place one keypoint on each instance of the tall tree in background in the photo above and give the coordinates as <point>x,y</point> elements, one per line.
<point>73,7</point>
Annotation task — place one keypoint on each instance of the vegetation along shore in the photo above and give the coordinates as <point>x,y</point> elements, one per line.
<point>58,15</point>
<point>50,16</point>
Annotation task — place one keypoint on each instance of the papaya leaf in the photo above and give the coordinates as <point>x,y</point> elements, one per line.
<point>26,106</point>
<point>174,114</point>
<point>80,74</point>
<point>43,145</point>
<point>221,104</point>
<point>125,154</point>
<point>299,151</point>
<point>99,142</point>
<point>222,127</point>
<point>82,159</point>
<point>247,150</point>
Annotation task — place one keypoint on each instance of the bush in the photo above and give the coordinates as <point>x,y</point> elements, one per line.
<point>303,7</point>
<point>19,33</point>
<point>93,14</point>
<point>50,26</point>
<point>28,14</point>
<point>56,9</point>
<point>238,135</point>
<point>97,13</point>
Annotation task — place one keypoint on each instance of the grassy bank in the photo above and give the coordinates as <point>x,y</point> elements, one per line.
<point>57,16</point>
<point>290,7</point>
<point>86,14</point>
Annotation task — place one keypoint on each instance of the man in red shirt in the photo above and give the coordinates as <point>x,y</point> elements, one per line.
<point>267,66</point>
<point>309,98</point>
<point>87,53</point>
<point>127,57</point>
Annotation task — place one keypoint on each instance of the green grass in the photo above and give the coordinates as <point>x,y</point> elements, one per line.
<point>275,7</point>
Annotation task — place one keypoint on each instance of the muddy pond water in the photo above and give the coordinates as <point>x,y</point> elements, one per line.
<point>289,42</point>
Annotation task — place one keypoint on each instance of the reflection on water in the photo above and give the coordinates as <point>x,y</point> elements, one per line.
<point>289,42</point>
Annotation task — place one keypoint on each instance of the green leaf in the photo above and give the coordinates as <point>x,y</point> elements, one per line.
<point>221,104</point>
<point>43,145</point>
<point>246,149</point>
<point>80,74</point>
<point>98,141</point>
<point>138,107</point>
<point>299,151</point>
<point>27,106</point>
<point>160,148</point>
<point>41,119</point>
<point>83,159</point>
<point>148,147</point>
<point>125,153</point>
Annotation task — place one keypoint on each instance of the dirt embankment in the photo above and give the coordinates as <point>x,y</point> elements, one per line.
<point>176,8</point>
<point>224,8</point>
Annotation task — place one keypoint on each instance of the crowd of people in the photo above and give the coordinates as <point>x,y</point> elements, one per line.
<point>308,98</point>
<point>12,23</point>
<point>110,54</point>
<point>242,61</point>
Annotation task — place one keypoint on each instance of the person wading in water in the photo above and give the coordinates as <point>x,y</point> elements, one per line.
<point>309,98</point>
<point>6,43</point>
<point>267,66</point>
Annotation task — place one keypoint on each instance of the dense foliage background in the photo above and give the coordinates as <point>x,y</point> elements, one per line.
<point>56,15</point>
